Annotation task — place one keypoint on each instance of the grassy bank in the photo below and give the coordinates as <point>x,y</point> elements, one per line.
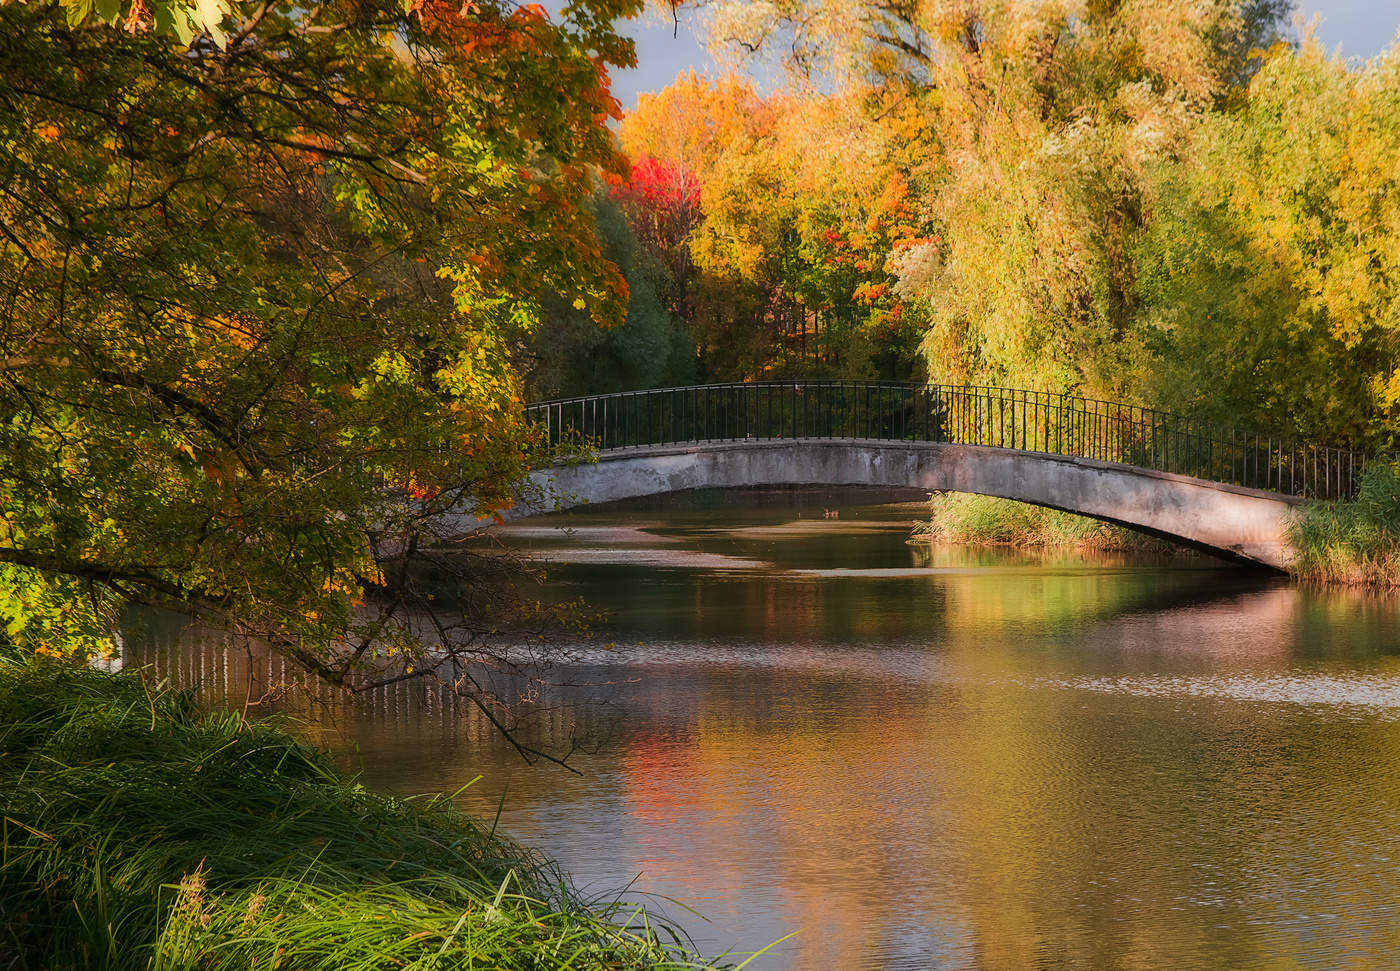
<point>141,833</point>
<point>1355,542</point>
<point>957,517</point>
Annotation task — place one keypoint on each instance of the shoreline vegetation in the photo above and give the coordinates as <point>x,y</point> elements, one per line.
<point>141,832</point>
<point>1356,542</point>
<point>1349,543</point>
<point>972,520</point>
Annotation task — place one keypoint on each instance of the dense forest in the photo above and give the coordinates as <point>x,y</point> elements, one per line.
<point>1179,205</point>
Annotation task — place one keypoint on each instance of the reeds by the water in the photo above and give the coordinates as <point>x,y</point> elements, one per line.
<point>1355,542</point>
<point>140,833</point>
<point>972,520</point>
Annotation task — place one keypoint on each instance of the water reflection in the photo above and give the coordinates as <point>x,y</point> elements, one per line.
<point>936,758</point>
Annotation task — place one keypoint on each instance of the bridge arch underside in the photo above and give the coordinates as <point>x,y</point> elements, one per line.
<point>1244,525</point>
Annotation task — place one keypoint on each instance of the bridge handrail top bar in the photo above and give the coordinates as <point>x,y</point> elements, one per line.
<point>1280,440</point>
<point>731,385</point>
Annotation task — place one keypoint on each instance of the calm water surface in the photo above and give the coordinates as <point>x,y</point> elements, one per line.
<point>937,758</point>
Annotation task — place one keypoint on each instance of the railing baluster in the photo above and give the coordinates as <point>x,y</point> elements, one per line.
<point>1055,423</point>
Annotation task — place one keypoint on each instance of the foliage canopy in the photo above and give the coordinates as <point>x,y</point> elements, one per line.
<point>1164,203</point>
<point>258,293</point>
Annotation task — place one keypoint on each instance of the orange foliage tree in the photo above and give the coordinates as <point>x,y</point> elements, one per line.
<point>797,209</point>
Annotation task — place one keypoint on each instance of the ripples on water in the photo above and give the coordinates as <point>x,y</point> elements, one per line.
<point>937,758</point>
<point>1352,697</point>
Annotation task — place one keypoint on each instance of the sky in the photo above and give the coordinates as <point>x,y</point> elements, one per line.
<point>1359,28</point>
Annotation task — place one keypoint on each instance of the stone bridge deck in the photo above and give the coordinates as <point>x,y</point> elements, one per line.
<point>1238,523</point>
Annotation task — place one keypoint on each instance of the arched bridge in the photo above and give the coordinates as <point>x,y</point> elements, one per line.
<point>1196,483</point>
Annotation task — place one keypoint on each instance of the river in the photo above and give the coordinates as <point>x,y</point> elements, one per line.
<point>921,757</point>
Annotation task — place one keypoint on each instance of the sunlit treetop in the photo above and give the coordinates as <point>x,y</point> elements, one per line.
<point>225,20</point>
<point>1192,45</point>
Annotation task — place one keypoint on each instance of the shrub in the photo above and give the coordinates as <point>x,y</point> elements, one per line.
<point>1356,541</point>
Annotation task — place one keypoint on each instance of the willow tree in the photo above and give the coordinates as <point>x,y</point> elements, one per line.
<point>1051,115</point>
<point>913,42</point>
<point>1270,276</point>
<point>260,264</point>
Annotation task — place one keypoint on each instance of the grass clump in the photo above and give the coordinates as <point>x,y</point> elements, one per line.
<point>972,520</point>
<point>141,833</point>
<point>1353,542</point>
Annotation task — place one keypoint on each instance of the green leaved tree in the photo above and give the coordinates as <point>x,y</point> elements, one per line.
<point>260,274</point>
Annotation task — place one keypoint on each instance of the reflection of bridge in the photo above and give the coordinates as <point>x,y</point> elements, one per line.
<point>1183,479</point>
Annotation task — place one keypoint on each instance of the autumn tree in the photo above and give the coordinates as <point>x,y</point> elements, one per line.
<point>1042,118</point>
<point>796,207</point>
<point>1050,116</point>
<point>916,43</point>
<point>1270,275</point>
<point>1159,202</point>
<point>673,139</point>
<point>260,272</point>
<point>571,353</point>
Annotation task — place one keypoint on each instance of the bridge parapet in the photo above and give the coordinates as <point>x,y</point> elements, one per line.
<point>1026,421</point>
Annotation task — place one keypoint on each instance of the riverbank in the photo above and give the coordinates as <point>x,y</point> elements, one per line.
<point>1355,543</point>
<point>140,832</point>
<point>1351,543</point>
<point>972,520</point>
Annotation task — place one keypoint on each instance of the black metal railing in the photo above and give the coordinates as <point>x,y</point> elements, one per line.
<point>1033,421</point>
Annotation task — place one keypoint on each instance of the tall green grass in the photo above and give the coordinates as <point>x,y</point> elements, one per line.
<point>1355,542</point>
<point>958,517</point>
<point>139,833</point>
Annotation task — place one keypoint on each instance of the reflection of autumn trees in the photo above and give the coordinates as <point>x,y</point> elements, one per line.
<point>961,780</point>
<point>1027,826</point>
<point>1147,835</point>
<point>1065,602</point>
<point>796,608</point>
<point>807,766</point>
